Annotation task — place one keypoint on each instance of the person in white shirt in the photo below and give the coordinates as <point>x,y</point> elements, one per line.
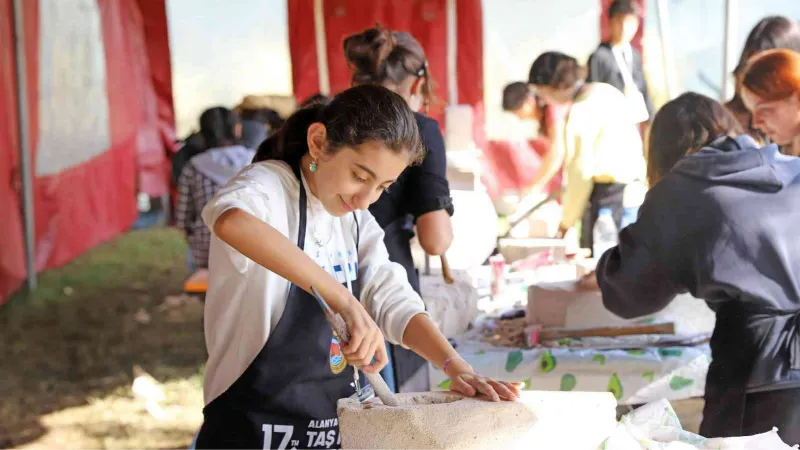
<point>299,219</point>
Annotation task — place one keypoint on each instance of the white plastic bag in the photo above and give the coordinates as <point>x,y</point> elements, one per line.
<point>655,426</point>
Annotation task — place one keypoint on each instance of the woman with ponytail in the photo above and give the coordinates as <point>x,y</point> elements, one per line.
<point>419,202</point>
<point>298,219</point>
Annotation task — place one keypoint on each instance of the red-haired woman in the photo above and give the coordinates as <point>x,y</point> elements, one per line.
<point>770,33</point>
<point>770,89</point>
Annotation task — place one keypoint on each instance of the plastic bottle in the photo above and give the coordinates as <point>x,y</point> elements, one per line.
<point>629,216</point>
<point>604,234</point>
<point>632,198</point>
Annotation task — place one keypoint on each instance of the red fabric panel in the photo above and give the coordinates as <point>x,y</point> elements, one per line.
<point>85,205</point>
<point>156,32</point>
<point>426,20</point>
<point>303,48</point>
<point>125,31</point>
<point>604,30</point>
<point>154,177</point>
<point>512,166</point>
<point>469,63</point>
<point>12,251</point>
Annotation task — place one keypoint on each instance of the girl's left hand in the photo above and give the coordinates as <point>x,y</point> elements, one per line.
<point>465,381</point>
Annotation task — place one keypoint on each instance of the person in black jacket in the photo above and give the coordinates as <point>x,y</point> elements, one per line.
<point>617,63</point>
<point>721,224</point>
<point>420,199</point>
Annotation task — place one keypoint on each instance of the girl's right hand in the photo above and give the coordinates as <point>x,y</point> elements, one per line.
<point>366,339</point>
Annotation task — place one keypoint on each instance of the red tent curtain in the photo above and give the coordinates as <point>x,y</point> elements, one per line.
<point>426,20</point>
<point>86,203</point>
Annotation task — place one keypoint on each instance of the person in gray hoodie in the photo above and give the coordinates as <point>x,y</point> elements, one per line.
<point>720,222</point>
<point>202,177</point>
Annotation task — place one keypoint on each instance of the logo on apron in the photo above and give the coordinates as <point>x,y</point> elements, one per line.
<point>338,363</point>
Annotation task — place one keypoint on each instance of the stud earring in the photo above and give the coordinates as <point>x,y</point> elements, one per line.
<point>313,166</point>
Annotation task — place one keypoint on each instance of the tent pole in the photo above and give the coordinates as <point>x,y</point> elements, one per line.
<point>24,142</point>
<point>667,55</point>
<point>452,53</point>
<point>729,56</point>
<point>322,48</point>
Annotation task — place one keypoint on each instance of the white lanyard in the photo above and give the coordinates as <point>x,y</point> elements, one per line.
<point>624,68</point>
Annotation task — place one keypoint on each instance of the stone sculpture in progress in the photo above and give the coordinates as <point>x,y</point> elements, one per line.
<point>447,420</point>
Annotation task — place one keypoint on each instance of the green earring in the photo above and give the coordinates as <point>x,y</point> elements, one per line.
<point>313,166</point>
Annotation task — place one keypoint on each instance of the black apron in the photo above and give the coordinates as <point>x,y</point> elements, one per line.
<point>729,409</point>
<point>287,397</point>
<point>410,371</point>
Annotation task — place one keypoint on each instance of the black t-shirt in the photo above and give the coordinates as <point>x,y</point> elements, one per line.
<point>422,188</point>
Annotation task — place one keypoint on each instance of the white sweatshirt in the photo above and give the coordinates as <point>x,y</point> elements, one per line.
<point>245,301</point>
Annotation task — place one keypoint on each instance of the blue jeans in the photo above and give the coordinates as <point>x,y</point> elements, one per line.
<point>189,261</point>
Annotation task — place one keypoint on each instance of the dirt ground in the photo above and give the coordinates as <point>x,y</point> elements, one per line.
<point>69,352</point>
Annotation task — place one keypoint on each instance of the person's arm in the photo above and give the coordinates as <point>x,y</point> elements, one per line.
<point>435,232</point>
<point>579,179</point>
<point>424,338</point>
<point>551,163</point>
<point>270,249</point>
<point>633,280</point>
<point>428,193</point>
<point>399,311</point>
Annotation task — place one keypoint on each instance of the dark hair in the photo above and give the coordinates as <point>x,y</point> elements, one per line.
<point>218,127</point>
<point>378,54</point>
<point>316,99</point>
<point>515,95</point>
<point>366,113</point>
<point>769,33</point>
<point>684,126</point>
<point>556,70</point>
<point>624,8</point>
<point>263,115</point>
<point>772,32</point>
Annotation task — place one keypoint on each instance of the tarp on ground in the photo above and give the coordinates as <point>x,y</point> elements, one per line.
<point>100,117</point>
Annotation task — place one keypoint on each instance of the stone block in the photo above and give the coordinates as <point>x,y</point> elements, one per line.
<point>446,420</point>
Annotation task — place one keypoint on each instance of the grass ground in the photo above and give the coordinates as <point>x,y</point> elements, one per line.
<point>68,351</point>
